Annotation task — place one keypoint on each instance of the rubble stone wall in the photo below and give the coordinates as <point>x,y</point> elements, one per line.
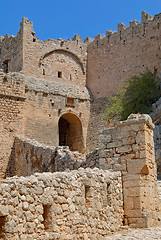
<point>74,205</point>
<point>30,157</point>
<point>129,147</point>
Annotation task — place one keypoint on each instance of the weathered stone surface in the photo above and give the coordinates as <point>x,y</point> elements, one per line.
<point>81,200</point>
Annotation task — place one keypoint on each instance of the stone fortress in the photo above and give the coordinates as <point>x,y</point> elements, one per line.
<point>64,174</point>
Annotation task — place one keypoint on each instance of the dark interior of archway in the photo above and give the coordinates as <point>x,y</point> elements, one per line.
<point>70,132</point>
<point>63,131</point>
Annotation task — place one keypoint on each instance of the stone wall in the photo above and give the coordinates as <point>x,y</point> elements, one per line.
<point>129,147</point>
<point>28,157</point>
<point>12,101</point>
<point>156,117</point>
<point>44,59</point>
<point>118,55</point>
<point>83,204</point>
<point>48,102</point>
<point>33,107</point>
<point>11,52</point>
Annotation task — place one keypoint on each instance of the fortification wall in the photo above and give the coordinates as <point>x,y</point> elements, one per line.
<point>11,52</point>
<point>55,60</point>
<point>118,55</point>
<point>129,147</point>
<point>48,102</point>
<point>71,205</point>
<point>33,108</point>
<point>45,59</point>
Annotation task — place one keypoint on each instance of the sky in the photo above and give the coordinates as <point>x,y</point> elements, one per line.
<point>65,18</point>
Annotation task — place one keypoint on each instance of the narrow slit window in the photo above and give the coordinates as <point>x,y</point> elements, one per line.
<point>47,215</point>
<point>87,196</point>
<point>59,74</point>
<point>43,71</point>
<point>108,194</point>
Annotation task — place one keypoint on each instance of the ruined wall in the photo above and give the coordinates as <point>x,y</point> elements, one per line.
<point>30,157</point>
<point>129,147</point>
<point>156,117</point>
<point>71,205</point>
<point>12,102</point>
<point>11,52</point>
<point>121,54</point>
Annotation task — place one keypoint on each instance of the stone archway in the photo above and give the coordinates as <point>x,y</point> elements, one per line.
<point>70,132</point>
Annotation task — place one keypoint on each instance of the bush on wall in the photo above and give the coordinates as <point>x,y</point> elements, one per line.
<point>137,95</point>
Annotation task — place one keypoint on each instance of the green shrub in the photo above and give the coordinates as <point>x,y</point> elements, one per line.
<point>137,95</point>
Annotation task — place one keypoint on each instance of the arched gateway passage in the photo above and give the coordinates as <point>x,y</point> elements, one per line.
<point>70,132</point>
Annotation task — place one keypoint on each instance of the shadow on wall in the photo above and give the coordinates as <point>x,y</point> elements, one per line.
<point>11,170</point>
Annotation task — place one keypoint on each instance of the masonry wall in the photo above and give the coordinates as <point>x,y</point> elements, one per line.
<point>48,102</point>
<point>129,147</point>
<point>44,59</point>
<point>11,52</point>
<point>32,108</point>
<point>118,55</point>
<point>12,102</point>
<point>30,157</point>
<point>71,205</point>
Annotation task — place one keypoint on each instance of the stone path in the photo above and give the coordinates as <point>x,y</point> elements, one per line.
<point>139,234</point>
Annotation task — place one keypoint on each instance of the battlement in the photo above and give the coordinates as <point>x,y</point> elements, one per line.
<point>135,29</point>
<point>117,56</point>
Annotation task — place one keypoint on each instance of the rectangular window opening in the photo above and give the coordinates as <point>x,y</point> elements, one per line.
<point>2,227</point>
<point>43,71</point>
<point>59,74</point>
<point>70,102</point>
<point>47,215</point>
<point>5,66</point>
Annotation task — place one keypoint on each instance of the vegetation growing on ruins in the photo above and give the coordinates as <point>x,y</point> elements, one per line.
<point>137,95</point>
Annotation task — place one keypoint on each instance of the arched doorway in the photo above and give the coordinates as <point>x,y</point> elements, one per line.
<point>70,132</point>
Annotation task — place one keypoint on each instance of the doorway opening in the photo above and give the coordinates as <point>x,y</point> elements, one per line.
<point>70,132</point>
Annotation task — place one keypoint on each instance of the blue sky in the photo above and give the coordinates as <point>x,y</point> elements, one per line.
<point>65,18</point>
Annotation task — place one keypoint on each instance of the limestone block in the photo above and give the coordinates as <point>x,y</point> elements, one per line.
<point>114,144</point>
<point>105,138</point>
<point>3,211</point>
<point>25,206</point>
<point>135,166</point>
<point>124,149</point>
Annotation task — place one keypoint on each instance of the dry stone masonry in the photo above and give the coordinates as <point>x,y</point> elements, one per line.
<point>82,204</point>
<point>58,179</point>
<point>129,147</point>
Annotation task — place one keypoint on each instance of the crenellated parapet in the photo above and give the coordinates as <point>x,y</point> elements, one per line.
<point>148,25</point>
